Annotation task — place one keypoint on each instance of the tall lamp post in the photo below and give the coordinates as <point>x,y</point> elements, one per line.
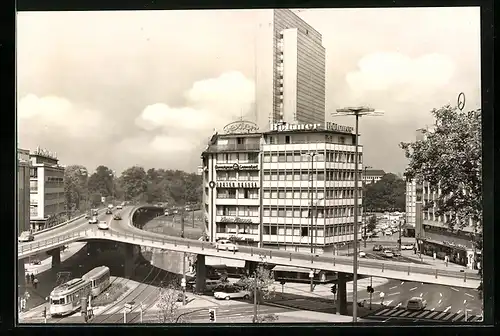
<point>364,204</point>
<point>312,155</point>
<point>357,112</point>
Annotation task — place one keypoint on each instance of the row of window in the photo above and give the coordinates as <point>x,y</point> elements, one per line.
<point>302,156</point>
<point>241,194</point>
<point>304,211</point>
<point>237,229</point>
<point>343,193</point>
<point>240,210</point>
<point>233,175</point>
<point>304,175</point>
<point>238,157</point>
<point>336,230</point>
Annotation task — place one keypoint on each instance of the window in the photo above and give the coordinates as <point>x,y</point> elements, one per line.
<point>273,230</point>
<point>267,176</point>
<point>281,157</point>
<point>266,230</point>
<point>232,176</point>
<point>281,194</point>
<point>287,139</point>
<point>267,157</point>
<point>342,140</point>
<point>289,176</point>
<point>304,232</point>
<point>267,194</point>
<point>274,194</point>
<point>274,176</point>
<point>271,140</point>
<point>253,157</point>
<point>231,193</point>
<point>289,157</point>
<point>282,176</point>
<point>222,176</point>
<point>267,212</point>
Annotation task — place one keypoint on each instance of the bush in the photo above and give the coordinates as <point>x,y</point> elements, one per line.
<point>114,292</point>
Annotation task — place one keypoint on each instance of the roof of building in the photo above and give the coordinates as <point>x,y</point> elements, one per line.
<point>375,172</point>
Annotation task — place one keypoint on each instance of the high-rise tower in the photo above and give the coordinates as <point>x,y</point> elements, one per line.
<point>290,70</point>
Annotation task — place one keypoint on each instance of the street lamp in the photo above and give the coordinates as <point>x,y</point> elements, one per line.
<point>312,155</point>
<point>364,204</point>
<point>357,112</point>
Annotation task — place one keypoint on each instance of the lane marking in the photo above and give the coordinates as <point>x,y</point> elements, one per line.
<point>421,294</point>
<point>399,305</point>
<point>402,282</point>
<point>433,309</point>
<point>447,309</point>
<point>393,287</point>
<point>388,303</point>
<point>412,289</point>
<point>469,295</point>
<point>397,293</point>
<point>439,302</point>
<point>456,290</point>
<point>459,311</point>
<point>441,294</point>
<point>465,301</point>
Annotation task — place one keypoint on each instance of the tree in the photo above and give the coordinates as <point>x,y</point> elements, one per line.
<point>167,304</point>
<point>449,158</point>
<point>134,184</point>
<point>262,284</point>
<point>75,186</point>
<point>372,223</point>
<point>387,193</point>
<point>101,182</point>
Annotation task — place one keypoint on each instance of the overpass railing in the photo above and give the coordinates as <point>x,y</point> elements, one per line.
<point>141,237</point>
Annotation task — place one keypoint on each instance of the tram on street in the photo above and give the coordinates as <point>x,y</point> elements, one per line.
<point>65,299</point>
<point>99,279</point>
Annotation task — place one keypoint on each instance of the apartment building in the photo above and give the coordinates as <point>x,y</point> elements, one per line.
<point>46,190</point>
<point>287,187</point>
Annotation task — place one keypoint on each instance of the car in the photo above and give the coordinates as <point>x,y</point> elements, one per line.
<point>396,253</point>
<point>108,212</point>
<point>388,232</point>
<point>175,211</point>
<point>36,262</point>
<point>407,247</point>
<point>102,225</point>
<point>167,213</point>
<point>93,220</point>
<point>416,303</point>
<point>119,206</point>
<point>117,217</point>
<point>26,236</point>
<point>362,254</point>
<point>232,293</point>
<point>388,254</point>
<point>377,248</point>
<point>87,216</point>
<point>227,245</point>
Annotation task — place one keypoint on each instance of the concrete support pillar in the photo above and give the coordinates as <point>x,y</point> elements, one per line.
<point>201,273</point>
<point>342,294</point>
<point>250,267</point>
<point>129,260</point>
<point>56,257</point>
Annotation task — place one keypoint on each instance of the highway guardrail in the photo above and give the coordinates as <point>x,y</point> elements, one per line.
<point>62,224</point>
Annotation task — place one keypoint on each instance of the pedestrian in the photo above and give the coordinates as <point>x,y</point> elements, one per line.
<point>434,255</point>
<point>382,295</point>
<point>35,283</point>
<point>27,278</point>
<point>32,277</point>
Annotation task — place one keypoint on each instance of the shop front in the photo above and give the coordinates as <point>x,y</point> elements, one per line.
<point>458,249</point>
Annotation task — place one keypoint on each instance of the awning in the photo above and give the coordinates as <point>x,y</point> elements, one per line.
<point>449,241</point>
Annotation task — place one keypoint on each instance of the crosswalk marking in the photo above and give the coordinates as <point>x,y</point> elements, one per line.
<point>432,314</point>
<point>449,316</point>
<point>405,313</point>
<point>382,311</point>
<point>413,314</point>
<point>458,317</point>
<point>441,315</point>
<point>398,313</point>
<point>422,314</point>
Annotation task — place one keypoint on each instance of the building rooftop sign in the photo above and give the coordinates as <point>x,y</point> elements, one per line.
<point>329,126</point>
<point>240,126</point>
<point>45,153</point>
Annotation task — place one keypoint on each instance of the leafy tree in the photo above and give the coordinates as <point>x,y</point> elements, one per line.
<point>75,186</point>
<point>168,310</point>
<point>372,223</point>
<point>387,193</point>
<point>450,158</point>
<point>101,181</point>
<point>260,283</point>
<point>134,183</point>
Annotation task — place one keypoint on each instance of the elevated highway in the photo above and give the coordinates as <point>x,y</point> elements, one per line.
<point>124,231</point>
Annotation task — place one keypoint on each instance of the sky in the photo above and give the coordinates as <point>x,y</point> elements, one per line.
<point>148,88</point>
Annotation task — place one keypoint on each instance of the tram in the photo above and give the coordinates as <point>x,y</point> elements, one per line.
<point>65,299</point>
<point>99,279</point>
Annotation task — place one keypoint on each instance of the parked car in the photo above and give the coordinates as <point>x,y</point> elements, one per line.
<point>227,245</point>
<point>407,246</point>
<point>396,253</point>
<point>388,254</point>
<point>26,236</point>
<point>416,303</point>
<point>362,254</point>
<point>377,248</point>
<point>232,293</point>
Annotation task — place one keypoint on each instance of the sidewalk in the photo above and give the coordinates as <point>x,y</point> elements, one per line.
<point>431,261</point>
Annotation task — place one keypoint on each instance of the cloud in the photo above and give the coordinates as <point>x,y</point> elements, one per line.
<point>49,115</point>
<point>210,103</point>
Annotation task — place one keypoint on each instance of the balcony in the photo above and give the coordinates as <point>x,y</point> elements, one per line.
<point>252,147</point>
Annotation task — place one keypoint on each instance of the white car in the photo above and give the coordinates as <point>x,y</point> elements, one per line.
<point>388,254</point>
<point>388,232</point>
<point>26,236</point>
<point>102,225</point>
<point>232,293</point>
<point>362,254</point>
<point>119,207</point>
<point>93,220</point>
<point>407,247</point>
<point>416,303</point>
<point>226,245</point>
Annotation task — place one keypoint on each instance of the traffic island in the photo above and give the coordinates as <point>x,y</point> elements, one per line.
<point>110,295</point>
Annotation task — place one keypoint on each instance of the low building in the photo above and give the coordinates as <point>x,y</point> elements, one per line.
<point>287,187</point>
<point>23,190</point>
<point>373,175</point>
<point>47,197</point>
